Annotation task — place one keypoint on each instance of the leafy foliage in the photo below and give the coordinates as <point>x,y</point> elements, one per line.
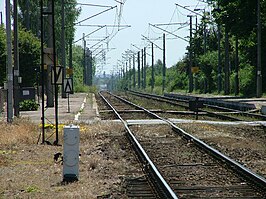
<point>28,105</point>
<point>2,55</point>
<point>29,57</point>
<point>247,81</point>
<point>29,17</point>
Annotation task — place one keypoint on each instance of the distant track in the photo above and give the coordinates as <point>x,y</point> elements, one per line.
<point>211,110</point>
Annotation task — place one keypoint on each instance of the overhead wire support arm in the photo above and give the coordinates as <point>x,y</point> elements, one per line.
<point>140,49</point>
<point>98,53</point>
<point>99,25</point>
<point>151,42</point>
<point>94,5</point>
<point>189,10</point>
<point>169,32</point>
<point>88,34</point>
<point>95,15</point>
<point>99,42</point>
<point>170,24</point>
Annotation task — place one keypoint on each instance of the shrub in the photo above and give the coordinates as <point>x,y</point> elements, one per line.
<point>28,105</point>
<point>247,77</point>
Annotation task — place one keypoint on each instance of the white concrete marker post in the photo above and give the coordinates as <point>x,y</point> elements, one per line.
<point>71,153</point>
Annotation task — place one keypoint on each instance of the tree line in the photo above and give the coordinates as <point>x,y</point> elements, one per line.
<point>235,25</point>
<point>30,42</point>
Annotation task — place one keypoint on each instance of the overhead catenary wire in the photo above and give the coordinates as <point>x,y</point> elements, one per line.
<point>152,42</point>
<point>184,7</point>
<point>88,34</point>
<point>169,32</point>
<point>171,24</point>
<point>95,15</point>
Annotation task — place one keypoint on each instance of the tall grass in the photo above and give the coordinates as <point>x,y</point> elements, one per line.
<point>19,131</point>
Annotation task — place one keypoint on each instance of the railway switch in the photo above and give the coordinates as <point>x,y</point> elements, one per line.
<point>71,153</point>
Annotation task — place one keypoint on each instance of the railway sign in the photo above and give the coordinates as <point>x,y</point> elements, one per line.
<point>58,73</point>
<point>68,85</point>
<point>194,105</point>
<point>69,71</point>
<point>195,69</point>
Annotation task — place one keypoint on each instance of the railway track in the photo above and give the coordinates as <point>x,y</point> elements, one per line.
<point>182,166</point>
<point>210,109</point>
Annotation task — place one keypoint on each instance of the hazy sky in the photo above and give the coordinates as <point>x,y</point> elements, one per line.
<point>138,14</point>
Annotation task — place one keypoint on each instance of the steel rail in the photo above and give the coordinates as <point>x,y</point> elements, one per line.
<point>149,167</point>
<point>258,116</point>
<point>234,111</point>
<point>165,99</point>
<point>237,167</point>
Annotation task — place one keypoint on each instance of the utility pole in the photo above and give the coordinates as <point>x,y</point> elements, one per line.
<point>226,68</point>
<point>55,86</point>
<point>90,69</point>
<point>42,72</point>
<point>1,18</point>
<point>190,75</point>
<point>164,64</point>
<point>71,61</point>
<point>236,69</point>
<point>63,46</point>
<point>84,56</point>
<point>9,65</point>
<point>205,50</point>
<point>134,72</point>
<point>145,67</point>
<point>142,68</point>
<point>129,73</point>
<point>16,61</point>
<point>138,69</point>
<point>152,67</point>
<point>259,74</point>
<point>49,87</point>
<point>219,60</point>
<point>126,75</point>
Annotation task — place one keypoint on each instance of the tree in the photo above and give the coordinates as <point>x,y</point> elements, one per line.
<point>78,63</point>
<point>2,55</point>
<point>240,18</point>
<point>29,57</point>
<point>208,63</point>
<point>29,17</point>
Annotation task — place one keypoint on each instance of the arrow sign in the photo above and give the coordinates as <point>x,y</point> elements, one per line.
<point>68,85</point>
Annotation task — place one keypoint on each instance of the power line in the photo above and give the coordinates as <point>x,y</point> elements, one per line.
<point>169,32</point>
<point>168,24</point>
<point>184,7</point>
<point>88,34</point>
<point>94,5</point>
<point>99,25</point>
<point>95,15</point>
<point>152,42</point>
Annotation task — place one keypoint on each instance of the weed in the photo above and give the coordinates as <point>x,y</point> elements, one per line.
<point>32,189</point>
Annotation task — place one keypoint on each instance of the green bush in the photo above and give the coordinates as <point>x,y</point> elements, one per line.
<point>247,77</point>
<point>28,105</point>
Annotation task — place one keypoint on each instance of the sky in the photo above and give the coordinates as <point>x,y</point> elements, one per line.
<point>138,14</point>
<point>109,43</point>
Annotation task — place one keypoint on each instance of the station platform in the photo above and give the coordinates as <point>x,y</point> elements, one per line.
<point>82,108</point>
